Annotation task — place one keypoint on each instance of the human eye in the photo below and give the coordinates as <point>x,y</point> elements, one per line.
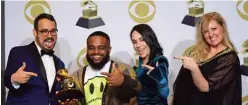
<point>54,31</point>
<point>44,32</point>
<point>90,47</point>
<point>102,47</point>
<point>214,29</point>
<point>205,32</point>
<point>134,41</point>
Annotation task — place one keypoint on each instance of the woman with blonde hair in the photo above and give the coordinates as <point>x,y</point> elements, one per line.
<point>210,74</point>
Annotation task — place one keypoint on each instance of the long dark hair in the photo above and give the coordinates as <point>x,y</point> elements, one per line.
<point>150,38</point>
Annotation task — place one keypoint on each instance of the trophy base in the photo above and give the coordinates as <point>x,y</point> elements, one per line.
<point>90,23</point>
<point>69,94</point>
<point>190,20</point>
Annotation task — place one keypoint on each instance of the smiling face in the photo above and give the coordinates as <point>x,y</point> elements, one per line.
<point>98,50</point>
<point>140,45</point>
<point>213,34</point>
<point>46,34</point>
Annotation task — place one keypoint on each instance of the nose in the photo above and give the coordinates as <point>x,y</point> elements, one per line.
<point>96,51</point>
<point>49,34</point>
<point>138,44</point>
<point>211,33</point>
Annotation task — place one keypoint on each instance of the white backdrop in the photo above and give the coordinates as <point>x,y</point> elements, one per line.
<point>173,36</point>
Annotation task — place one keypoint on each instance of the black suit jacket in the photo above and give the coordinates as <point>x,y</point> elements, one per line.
<point>35,91</point>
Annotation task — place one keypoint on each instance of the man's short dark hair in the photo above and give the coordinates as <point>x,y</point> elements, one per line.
<point>43,16</point>
<point>99,33</point>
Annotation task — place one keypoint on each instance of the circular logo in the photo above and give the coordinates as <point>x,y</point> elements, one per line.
<point>242,8</point>
<point>81,58</point>
<point>142,11</point>
<point>34,8</point>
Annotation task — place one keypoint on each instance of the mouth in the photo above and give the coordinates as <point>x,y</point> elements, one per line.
<point>213,38</point>
<point>49,43</point>
<point>140,51</point>
<point>96,58</point>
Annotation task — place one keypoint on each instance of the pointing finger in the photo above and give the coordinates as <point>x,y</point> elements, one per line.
<point>31,74</point>
<point>149,67</point>
<point>180,57</point>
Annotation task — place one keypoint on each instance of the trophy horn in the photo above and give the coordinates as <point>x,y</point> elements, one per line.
<point>63,73</point>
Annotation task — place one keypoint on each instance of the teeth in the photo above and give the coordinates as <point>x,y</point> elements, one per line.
<point>213,38</point>
<point>97,57</point>
<point>140,50</point>
<point>48,43</point>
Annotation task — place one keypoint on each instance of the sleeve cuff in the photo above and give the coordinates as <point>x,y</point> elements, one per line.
<point>15,85</point>
<point>155,74</point>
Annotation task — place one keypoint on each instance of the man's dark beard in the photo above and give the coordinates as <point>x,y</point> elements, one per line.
<point>97,66</point>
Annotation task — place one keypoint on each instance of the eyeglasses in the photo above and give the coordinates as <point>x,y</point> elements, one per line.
<point>45,32</point>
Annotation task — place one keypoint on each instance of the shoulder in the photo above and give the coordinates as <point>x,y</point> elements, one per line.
<point>19,49</point>
<point>78,72</point>
<point>229,56</point>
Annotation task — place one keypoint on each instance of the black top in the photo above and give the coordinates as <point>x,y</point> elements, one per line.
<point>224,78</point>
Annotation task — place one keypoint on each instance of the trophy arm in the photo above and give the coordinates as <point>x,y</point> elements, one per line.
<point>77,85</point>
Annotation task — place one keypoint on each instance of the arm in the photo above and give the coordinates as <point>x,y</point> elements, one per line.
<point>123,79</point>
<point>199,80</point>
<point>227,71</point>
<point>160,75</point>
<point>130,86</point>
<point>159,72</point>
<point>12,67</point>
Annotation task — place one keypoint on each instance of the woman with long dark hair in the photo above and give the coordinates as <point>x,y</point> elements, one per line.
<point>152,70</point>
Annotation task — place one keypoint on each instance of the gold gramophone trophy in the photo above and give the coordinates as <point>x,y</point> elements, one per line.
<point>244,52</point>
<point>70,87</point>
<point>196,10</point>
<point>89,18</point>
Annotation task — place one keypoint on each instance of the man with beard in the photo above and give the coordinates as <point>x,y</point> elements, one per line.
<point>103,81</point>
<point>31,69</point>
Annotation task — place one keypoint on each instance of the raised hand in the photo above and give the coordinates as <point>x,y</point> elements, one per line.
<point>150,68</point>
<point>21,76</point>
<point>115,78</point>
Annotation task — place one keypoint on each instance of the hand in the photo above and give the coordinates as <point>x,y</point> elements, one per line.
<point>21,76</point>
<point>188,63</point>
<point>115,78</point>
<point>68,102</point>
<point>150,68</point>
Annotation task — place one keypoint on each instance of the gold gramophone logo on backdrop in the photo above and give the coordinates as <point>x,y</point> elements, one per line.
<point>70,87</point>
<point>245,100</point>
<point>242,9</point>
<point>89,17</point>
<point>244,52</point>
<point>142,11</point>
<point>33,8</point>
<point>196,10</point>
<point>81,58</point>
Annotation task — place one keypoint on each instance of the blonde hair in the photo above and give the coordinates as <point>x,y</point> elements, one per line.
<point>201,49</point>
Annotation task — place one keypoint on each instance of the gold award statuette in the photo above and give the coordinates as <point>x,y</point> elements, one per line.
<point>196,10</point>
<point>89,18</point>
<point>68,85</point>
